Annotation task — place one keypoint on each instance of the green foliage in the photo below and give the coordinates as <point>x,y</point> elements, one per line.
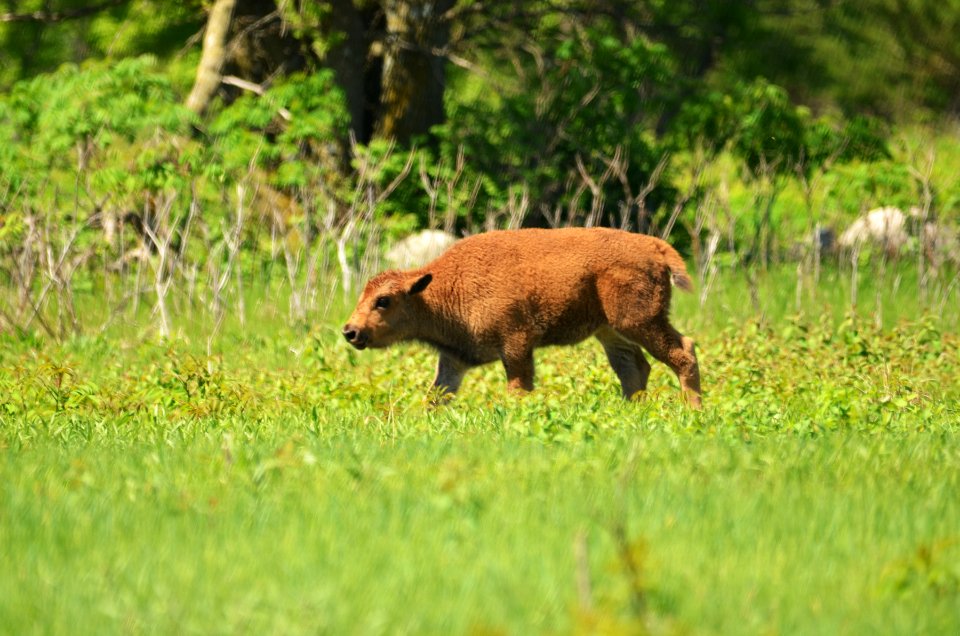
<point>759,124</point>
<point>894,56</point>
<point>123,123</point>
<point>293,130</point>
<point>770,135</point>
<point>119,138</point>
<point>781,151</point>
<point>129,29</point>
<point>595,98</point>
<point>62,118</point>
<point>114,137</point>
<point>870,185</point>
<point>860,138</point>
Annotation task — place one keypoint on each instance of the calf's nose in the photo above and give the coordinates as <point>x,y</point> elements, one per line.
<point>349,333</point>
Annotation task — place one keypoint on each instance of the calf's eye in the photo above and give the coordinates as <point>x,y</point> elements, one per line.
<point>382,303</point>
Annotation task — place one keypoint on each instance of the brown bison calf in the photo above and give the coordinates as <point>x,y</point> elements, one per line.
<point>502,294</point>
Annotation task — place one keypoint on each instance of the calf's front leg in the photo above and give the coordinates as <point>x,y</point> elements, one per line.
<point>449,376</point>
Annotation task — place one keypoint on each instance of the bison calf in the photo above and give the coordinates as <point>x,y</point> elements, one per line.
<point>502,294</point>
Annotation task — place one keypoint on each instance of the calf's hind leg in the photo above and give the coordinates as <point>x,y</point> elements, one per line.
<point>517,358</point>
<point>627,360</point>
<point>667,345</point>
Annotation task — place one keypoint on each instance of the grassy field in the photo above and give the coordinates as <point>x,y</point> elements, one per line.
<point>287,484</point>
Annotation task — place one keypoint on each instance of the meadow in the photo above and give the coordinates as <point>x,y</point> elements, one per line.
<point>281,482</point>
<point>192,192</point>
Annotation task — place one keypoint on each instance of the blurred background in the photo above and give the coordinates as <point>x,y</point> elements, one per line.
<point>174,164</point>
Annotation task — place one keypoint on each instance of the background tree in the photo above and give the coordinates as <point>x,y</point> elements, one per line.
<point>213,57</point>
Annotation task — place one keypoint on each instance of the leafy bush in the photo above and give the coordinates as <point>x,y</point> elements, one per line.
<point>293,131</point>
<point>73,117</point>
<point>594,100</point>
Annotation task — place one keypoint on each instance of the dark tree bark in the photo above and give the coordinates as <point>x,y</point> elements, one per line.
<point>260,46</point>
<point>414,74</point>
<point>356,69</point>
<point>388,57</point>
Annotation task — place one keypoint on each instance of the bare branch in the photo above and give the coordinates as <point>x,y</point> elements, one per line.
<point>253,87</point>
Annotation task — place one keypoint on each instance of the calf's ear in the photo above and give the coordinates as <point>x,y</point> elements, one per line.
<point>420,284</point>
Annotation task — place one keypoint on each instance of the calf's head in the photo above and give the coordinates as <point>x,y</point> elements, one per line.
<point>383,314</point>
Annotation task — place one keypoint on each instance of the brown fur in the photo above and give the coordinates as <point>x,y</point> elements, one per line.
<point>502,294</point>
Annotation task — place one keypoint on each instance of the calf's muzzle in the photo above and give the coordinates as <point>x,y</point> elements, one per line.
<point>354,336</point>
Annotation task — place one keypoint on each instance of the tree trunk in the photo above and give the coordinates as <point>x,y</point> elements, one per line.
<point>213,56</point>
<point>393,85</point>
<point>414,76</point>
<point>357,72</point>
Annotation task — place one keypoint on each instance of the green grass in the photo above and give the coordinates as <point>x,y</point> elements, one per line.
<point>290,485</point>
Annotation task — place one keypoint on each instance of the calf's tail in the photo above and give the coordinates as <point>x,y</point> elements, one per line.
<point>678,269</point>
